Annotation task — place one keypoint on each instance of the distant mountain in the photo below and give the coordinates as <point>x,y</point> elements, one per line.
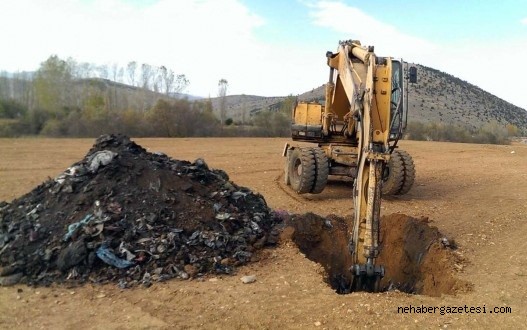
<point>185,96</point>
<point>437,97</point>
<point>107,83</point>
<point>10,85</point>
<point>242,107</point>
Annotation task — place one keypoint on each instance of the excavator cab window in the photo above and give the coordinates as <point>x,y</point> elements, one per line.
<point>396,101</point>
<point>413,75</point>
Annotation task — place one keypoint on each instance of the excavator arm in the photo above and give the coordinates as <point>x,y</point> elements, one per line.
<point>363,82</point>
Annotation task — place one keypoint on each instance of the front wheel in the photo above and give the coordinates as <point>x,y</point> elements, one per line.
<point>399,174</point>
<point>301,168</point>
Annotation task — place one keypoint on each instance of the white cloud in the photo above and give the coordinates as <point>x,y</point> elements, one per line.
<point>490,66</point>
<point>353,23</point>
<point>205,39</point>
<point>212,39</point>
<point>524,21</point>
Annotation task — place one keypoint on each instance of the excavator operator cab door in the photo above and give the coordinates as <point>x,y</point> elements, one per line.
<point>399,97</point>
<point>397,102</point>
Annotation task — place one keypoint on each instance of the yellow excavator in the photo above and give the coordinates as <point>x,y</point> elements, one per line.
<point>356,134</point>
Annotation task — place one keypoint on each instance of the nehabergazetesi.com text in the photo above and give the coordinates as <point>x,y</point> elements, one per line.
<point>453,309</point>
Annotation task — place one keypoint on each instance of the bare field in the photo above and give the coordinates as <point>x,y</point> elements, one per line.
<point>475,194</point>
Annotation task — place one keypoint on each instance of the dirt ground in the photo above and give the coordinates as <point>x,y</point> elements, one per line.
<point>475,194</point>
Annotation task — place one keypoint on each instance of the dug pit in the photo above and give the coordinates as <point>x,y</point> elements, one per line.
<point>416,256</point>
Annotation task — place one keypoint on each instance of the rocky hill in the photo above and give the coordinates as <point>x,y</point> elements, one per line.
<point>440,97</point>
<point>437,97</point>
<point>242,107</point>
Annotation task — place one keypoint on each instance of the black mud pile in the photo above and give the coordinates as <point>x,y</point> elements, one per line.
<point>416,256</point>
<point>128,216</point>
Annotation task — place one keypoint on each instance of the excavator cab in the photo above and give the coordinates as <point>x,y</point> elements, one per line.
<point>399,97</point>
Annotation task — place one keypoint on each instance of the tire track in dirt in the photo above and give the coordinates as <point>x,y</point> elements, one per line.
<point>253,171</point>
<point>279,181</point>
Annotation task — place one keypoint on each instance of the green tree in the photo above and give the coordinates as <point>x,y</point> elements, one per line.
<point>162,118</point>
<point>53,84</point>
<point>53,127</point>
<point>95,115</point>
<point>287,105</point>
<point>512,130</point>
<point>11,109</point>
<point>208,124</point>
<point>272,123</point>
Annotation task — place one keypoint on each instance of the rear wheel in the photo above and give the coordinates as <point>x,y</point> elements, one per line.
<point>400,174</point>
<point>301,170</point>
<point>409,172</point>
<point>321,170</point>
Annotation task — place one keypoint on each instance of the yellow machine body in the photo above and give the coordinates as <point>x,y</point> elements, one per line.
<point>356,131</point>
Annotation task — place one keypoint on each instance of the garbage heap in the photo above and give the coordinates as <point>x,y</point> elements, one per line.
<point>129,216</point>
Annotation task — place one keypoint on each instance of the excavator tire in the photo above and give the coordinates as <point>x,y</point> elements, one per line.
<point>287,181</point>
<point>321,170</point>
<point>401,174</point>
<point>409,172</point>
<point>302,170</point>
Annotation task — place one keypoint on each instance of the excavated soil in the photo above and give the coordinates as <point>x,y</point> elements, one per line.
<point>416,256</point>
<point>125,215</point>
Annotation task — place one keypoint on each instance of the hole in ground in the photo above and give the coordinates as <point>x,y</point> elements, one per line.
<point>414,258</point>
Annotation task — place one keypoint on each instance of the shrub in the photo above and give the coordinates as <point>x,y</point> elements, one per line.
<point>492,133</point>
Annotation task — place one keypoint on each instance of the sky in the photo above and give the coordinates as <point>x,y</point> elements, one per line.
<point>272,47</point>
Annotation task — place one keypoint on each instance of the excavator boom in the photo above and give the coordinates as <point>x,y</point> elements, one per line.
<point>358,74</point>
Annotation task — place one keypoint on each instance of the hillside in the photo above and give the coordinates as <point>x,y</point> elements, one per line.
<point>441,97</point>
<point>130,97</point>
<point>242,107</point>
<point>437,97</point>
<point>87,106</point>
